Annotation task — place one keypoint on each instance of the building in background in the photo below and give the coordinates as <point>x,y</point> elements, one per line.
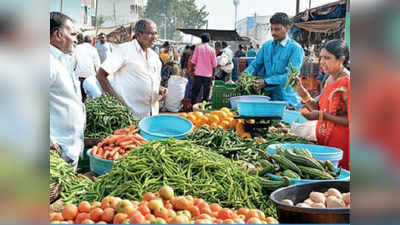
<point>255,27</point>
<point>120,12</point>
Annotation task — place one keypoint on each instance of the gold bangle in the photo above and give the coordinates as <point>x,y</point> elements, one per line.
<point>321,115</point>
<point>308,98</point>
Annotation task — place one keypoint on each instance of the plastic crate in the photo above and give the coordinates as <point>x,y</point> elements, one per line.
<point>221,93</point>
<point>262,108</point>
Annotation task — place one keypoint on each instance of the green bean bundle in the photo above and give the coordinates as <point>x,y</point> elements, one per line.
<point>189,169</point>
<point>106,114</point>
<point>63,174</point>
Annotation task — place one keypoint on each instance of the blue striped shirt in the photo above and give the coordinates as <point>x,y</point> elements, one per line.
<point>273,58</point>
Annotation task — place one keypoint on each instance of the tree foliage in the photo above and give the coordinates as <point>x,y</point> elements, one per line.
<point>176,14</point>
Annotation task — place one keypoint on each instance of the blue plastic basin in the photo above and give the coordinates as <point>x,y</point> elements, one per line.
<point>258,108</point>
<point>97,165</point>
<point>343,176</point>
<point>235,100</point>
<point>164,126</point>
<point>320,152</point>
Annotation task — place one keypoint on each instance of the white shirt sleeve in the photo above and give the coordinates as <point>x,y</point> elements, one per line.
<point>96,59</point>
<point>114,61</point>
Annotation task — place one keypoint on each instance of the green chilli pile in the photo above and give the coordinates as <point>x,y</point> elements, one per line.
<point>106,114</point>
<point>190,170</point>
<point>63,174</point>
<point>246,86</point>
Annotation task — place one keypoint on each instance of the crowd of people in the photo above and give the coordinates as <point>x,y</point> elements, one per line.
<point>140,77</point>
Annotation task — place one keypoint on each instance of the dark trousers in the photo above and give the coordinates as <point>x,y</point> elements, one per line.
<point>81,79</point>
<point>199,82</point>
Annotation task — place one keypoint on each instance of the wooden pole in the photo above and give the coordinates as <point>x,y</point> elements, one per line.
<point>61,6</point>
<point>97,4</point>
<point>297,6</point>
<point>348,5</point>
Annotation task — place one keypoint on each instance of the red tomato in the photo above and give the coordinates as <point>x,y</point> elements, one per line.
<point>81,217</point>
<point>204,217</point>
<point>206,209</point>
<point>150,217</point>
<point>119,218</point>
<point>168,205</point>
<point>148,196</point>
<point>87,221</point>
<point>84,207</point>
<point>69,212</point>
<point>161,212</point>
<point>225,213</point>
<point>215,207</point>
<point>179,220</point>
<point>96,214</point>
<point>108,215</point>
<point>243,211</point>
<point>144,210</point>
<point>254,220</point>
<point>137,219</point>
<point>194,210</point>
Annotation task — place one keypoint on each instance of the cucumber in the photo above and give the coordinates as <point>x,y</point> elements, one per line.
<point>285,163</point>
<point>272,185</point>
<point>291,174</point>
<point>302,160</point>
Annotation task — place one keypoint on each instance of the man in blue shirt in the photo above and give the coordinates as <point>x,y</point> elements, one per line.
<point>274,56</point>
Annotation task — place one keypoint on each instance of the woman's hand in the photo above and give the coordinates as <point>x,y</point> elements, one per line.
<point>313,115</point>
<point>300,88</point>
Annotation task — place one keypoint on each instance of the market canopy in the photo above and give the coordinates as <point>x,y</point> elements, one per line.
<point>215,35</point>
<point>323,26</point>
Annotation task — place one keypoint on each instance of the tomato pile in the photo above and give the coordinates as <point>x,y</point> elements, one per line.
<point>161,207</point>
<point>118,144</point>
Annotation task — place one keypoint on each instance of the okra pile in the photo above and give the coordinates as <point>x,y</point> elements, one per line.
<point>106,114</point>
<point>246,86</point>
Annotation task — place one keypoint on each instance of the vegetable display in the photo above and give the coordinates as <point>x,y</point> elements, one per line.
<point>63,174</point>
<point>118,144</point>
<point>218,118</point>
<point>189,169</point>
<point>292,74</point>
<point>332,198</point>
<point>160,207</point>
<point>106,114</point>
<point>246,85</point>
<point>230,145</point>
<point>299,164</point>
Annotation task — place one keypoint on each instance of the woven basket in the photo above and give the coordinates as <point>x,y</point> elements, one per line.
<point>55,190</point>
<point>90,142</point>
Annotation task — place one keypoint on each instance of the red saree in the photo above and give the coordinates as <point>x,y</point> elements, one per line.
<point>329,133</point>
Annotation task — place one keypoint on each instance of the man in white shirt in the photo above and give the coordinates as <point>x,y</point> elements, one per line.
<point>103,47</point>
<point>136,69</point>
<point>87,61</point>
<point>67,112</point>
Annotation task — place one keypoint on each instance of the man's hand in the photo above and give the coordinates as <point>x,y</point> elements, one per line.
<point>164,93</point>
<point>260,83</point>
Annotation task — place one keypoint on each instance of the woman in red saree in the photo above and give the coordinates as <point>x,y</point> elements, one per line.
<point>332,109</point>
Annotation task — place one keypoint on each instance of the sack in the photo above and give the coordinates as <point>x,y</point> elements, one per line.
<point>176,93</point>
<point>225,62</point>
<point>306,130</point>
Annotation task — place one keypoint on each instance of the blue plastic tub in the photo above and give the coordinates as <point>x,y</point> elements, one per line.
<point>257,108</point>
<point>343,176</point>
<point>291,116</point>
<point>164,126</point>
<point>97,165</point>
<point>320,152</point>
<point>235,100</point>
